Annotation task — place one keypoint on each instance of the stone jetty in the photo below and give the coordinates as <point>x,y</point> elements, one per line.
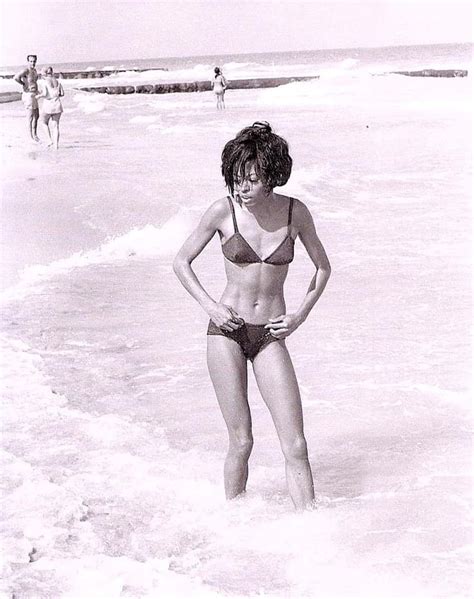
<point>9,97</point>
<point>433,73</point>
<point>192,86</point>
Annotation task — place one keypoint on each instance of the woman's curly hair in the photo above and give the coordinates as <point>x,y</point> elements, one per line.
<point>267,151</point>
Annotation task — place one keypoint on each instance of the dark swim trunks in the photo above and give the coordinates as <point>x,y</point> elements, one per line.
<point>252,338</point>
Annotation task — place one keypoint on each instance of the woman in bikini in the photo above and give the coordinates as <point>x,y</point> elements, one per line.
<point>219,85</point>
<point>257,228</point>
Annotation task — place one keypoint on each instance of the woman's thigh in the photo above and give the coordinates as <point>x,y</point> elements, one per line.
<point>228,371</point>
<point>276,380</point>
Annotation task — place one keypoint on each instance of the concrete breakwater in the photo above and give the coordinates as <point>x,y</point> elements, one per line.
<point>433,73</point>
<point>9,97</point>
<point>193,86</point>
<point>169,88</point>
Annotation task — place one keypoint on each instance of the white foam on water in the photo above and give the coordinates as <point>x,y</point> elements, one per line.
<point>302,93</point>
<point>364,92</point>
<point>305,179</point>
<point>47,513</point>
<point>336,214</point>
<point>95,503</point>
<point>95,129</point>
<point>146,241</point>
<point>460,398</point>
<point>101,509</point>
<point>144,119</point>
<point>341,68</point>
<point>89,103</point>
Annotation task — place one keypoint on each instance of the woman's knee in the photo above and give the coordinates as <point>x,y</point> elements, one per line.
<point>241,443</point>
<point>296,449</point>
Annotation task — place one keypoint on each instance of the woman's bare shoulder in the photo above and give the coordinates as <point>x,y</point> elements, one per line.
<point>301,215</point>
<point>299,207</point>
<point>217,211</point>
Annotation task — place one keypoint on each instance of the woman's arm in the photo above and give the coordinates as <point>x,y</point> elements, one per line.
<point>222,315</point>
<point>317,253</point>
<point>41,90</point>
<point>285,324</point>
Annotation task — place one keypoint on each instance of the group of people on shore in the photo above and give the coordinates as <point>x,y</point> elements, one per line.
<point>47,88</point>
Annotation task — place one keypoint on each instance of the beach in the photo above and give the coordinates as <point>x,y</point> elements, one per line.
<point>113,443</point>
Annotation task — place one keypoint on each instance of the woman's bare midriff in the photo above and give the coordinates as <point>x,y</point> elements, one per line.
<point>255,291</point>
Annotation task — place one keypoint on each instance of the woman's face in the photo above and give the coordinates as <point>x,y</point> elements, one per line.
<point>250,189</point>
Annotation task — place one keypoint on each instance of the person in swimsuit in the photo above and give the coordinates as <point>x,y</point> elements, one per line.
<point>219,85</point>
<point>28,79</point>
<point>257,229</point>
<point>51,91</point>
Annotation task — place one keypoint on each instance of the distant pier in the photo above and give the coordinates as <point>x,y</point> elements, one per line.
<point>9,97</point>
<point>433,73</point>
<point>193,86</point>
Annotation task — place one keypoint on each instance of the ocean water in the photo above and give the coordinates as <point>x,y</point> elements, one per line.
<point>113,444</point>
<point>326,63</point>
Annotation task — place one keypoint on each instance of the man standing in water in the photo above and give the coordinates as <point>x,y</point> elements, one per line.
<point>28,79</point>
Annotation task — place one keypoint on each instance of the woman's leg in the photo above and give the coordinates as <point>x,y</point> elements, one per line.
<point>277,383</point>
<point>46,120</point>
<point>55,129</point>
<point>228,370</point>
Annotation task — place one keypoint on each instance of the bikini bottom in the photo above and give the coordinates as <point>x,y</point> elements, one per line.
<point>252,338</point>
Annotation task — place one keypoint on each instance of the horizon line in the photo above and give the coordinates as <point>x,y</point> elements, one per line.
<point>246,53</point>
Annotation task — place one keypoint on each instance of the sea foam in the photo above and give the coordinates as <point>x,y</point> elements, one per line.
<point>141,242</point>
<point>88,103</point>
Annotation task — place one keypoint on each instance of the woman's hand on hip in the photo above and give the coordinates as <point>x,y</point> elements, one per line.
<point>282,326</point>
<point>225,317</point>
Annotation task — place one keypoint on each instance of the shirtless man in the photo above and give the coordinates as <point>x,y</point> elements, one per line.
<point>28,79</point>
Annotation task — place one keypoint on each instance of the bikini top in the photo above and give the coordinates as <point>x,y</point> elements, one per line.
<point>238,250</point>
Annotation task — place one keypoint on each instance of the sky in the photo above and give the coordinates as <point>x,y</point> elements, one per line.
<point>81,31</point>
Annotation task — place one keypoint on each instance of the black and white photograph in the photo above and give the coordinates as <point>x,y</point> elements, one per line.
<point>236,297</point>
